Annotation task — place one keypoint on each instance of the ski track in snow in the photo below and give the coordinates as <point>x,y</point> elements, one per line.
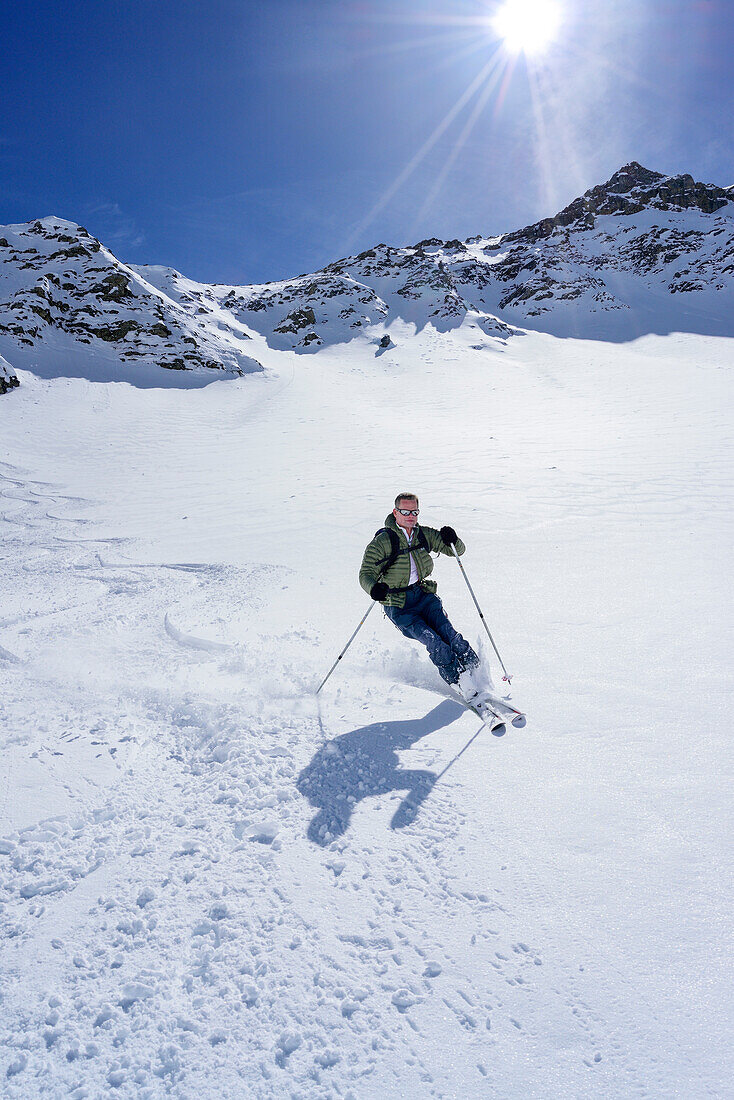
<point>213,888</point>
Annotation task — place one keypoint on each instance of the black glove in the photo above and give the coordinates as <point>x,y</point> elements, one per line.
<point>379,591</point>
<point>448,535</point>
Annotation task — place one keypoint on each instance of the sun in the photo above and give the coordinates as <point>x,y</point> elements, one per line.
<point>527,26</point>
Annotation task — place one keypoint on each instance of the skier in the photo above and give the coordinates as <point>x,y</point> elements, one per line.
<point>395,568</point>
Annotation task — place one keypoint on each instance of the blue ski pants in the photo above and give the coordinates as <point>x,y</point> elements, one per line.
<point>423,618</point>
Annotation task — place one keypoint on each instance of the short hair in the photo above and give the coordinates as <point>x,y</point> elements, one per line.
<point>405,496</point>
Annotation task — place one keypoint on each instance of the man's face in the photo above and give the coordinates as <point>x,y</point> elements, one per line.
<point>404,505</point>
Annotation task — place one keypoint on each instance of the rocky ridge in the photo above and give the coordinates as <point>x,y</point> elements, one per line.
<point>629,191</point>
<point>643,252</point>
<point>613,264</point>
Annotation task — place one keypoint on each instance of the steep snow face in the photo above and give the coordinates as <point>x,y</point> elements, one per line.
<point>68,306</point>
<point>8,377</point>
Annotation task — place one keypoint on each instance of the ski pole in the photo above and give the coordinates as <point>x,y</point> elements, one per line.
<point>506,676</point>
<point>346,647</point>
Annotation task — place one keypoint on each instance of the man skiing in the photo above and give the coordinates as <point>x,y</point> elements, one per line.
<point>395,568</point>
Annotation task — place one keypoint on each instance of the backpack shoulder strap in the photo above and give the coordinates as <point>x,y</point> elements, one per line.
<point>394,548</point>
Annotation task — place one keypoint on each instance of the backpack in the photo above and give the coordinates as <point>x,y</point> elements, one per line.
<point>396,550</point>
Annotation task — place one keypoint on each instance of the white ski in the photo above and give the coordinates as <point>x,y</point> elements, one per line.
<point>483,709</point>
<point>475,684</point>
<point>501,706</point>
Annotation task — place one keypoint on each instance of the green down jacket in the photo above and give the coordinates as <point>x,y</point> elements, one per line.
<point>398,574</point>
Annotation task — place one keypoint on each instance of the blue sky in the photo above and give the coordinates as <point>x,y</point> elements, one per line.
<point>241,142</point>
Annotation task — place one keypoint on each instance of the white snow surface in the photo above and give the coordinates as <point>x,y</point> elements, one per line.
<point>214,884</point>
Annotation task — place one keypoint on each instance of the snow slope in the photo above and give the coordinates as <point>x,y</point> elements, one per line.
<point>215,884</point>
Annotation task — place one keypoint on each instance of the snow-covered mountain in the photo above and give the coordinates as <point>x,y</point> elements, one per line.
<point>67,305</point>
<point>640,253</point>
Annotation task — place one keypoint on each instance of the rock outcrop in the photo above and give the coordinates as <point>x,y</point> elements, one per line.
<point>8,377</point>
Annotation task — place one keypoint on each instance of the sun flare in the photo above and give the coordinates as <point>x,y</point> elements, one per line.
<point>527,26</point>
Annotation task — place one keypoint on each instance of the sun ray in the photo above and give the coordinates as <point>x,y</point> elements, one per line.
<point>407,45</point>
<point>463,49</point>
<point>509,73</point>
<point>492,81</point>
<point>542,142</point>
<point>419,156</point>
<point>556,136</point>
<point>477,45</point>
<point>517,30</point>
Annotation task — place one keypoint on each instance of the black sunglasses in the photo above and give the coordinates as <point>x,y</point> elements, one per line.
<point>408,511</point>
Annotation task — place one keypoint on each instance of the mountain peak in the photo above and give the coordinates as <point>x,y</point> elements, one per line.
<point>630,190</point>
<point>630,176</point>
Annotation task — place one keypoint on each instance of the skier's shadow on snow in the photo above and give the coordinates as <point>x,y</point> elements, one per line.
<point>364,763</point>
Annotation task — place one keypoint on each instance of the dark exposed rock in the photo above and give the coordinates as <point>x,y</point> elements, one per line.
<point>113,333</point>
<point>295,321</point>
<point>8,377</point>
<point>558,262</point>
<point>76,287</point>
<point>70,253</point>
<point>115,287</point>
<point>7,383</point>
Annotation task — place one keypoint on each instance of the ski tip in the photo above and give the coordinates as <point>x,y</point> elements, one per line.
<point>499,730</point>
<point>520,722</point>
